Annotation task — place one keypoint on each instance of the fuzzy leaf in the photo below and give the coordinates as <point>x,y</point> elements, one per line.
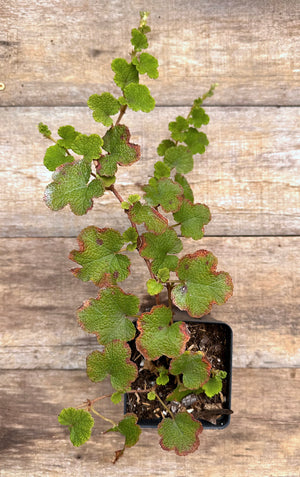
<point>88,146</point>
<point>126,73</point>
<point>192,218</point>
<point>213,386</point>
<point>159,247</point>
<point>178,128</point>
<point>195,369</point>
<point>98,255</point>
<point>163,377</point>
<point>180,434</point>
<point>130,235</point>
<point>103,106</point>
<point>138,98</point>
<point>161,170</point>
<point>179,157</point>
<point>70,186</point>
<point>196,141</point>
<point>79,422</point>
<point>107,315</point>
<point>133,198</point>
<point>138,40</point>
<point>146,64</point>
<point>164,145</point>
<point>113,361</point>
<point>157,337</point>
<point>55,157</point>
<point>202,285</point>
<point>198,117</point>
<point>68,135</point>
<point>153,220</point>
<point>127,427</point>
<point>164,192</point>
<point>108,180</point>
<point>187,191</point>
<point>163,274</point>
<point>154,287</point>
<point>44,130</point>
<point>116,397</point>
<point>151,396</point>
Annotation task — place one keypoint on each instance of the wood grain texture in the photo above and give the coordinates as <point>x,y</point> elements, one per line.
<point>61,55</point>
<point>262,439</point>
<point>40,296</point>
<point>248,176</point>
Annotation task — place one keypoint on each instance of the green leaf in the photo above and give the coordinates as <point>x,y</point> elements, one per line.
<point>138,40</point>
<point>79,422</point>
<point>70,186</point>
<point>146,64</point>
<point>107,315</point>
<point>120,150</point>
<point>116,397</point>
<point>138,98</point>
<point>113,361</point>
<point>130,235</point>
<point>179,157</point>
<point>180,434</point>
<point>202,285</point>
<point>151,396</point>
<point>195,369</point>
<point>192,218</point>
<point>126,73</point>
<point>213,386</point>
<point>125,205</point>
<point>164,145</point>
<point>108,180</point>
<point>179,393</point>
<point>44,130</point>
<point>127,427</point>
<point>98,255</point>
<point>161,170</point>
<point>68,135</point>
<point>178,128</point>
<point>104,106</point>
<point>196,141</point>
<point>198,117</point>
<point>56,156</point>
<point>88,146</point>
<point>163,274</point>
<point>163,377</point>
<point>158,337</point>
<point>154,287</point>
<point>153,220</point>
<point>133,198</point>
<point>187,191</point>
<point>160,248</point>
<point>164,192</point>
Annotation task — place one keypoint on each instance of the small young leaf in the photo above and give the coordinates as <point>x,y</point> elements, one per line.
<point>151,396</point>
<point>70,186</point>
<point>154,287</point>
<point>163,274</point>
<point>88,146</point>
<point>138,40</point>
<point>104,106</point>
<point>195,369</point>
<point>79,422</point>
<point>187,191</point>
<point>130,235</point>
<point>68,135</point>
<point>161,170</point>
<point>146,64</point>
<point>138,98</point>
<point>126,73</point>
<point>153,220</point>
<point>116,397</point>
<point>179,157</point>
<point>55,157</point>
<point>196,141</point>
<point>180,434</point>
<point>192,218</point>
<point>178,128</point>
<point>113,361</point>
<point>202,285</point>
<point>198,117</point>
<point>158,337</point>
<point>164,145</point>
<point>44,130</point>
<point>158,248</point>
<point>164,192</point>
<point>213,386</point>
<point>107,315</point>
<point>163,377</point>
<point>125,205</point>
<point>133,198</point>
<point>98,255</point>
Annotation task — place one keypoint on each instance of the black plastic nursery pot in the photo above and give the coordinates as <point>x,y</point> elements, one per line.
<point>212,337</point>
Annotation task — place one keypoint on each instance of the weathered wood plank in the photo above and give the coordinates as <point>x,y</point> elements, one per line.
<point>62,55</point>
<point>262,439</point>
<point>38,326</point>
<point>248,175</point>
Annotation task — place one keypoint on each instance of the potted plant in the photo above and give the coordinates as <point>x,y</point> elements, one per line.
<point>173,369</point>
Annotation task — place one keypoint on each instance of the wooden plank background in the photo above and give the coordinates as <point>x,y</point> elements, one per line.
<point>52,57</point>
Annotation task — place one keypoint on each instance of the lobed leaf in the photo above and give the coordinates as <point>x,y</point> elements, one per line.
<point>130,430</point>
<point>146,64</point>
<point>130,235</point>
<point>164,192</point>
<point>158,336</point>
<point>68,135</point>
<point>138,98</point>
<point>113,361</point>
<point>103,106</point>
<point>180,434</point>
<point>214,384</point>
<point>195,369</point>
<point>196,141</point>
<point>163,377</point>
<point>44,130</point>
<point>192,218</point>
<point>116,397</point>
<point>126,73</point>
<point>154,287</point>
<point>79,422</point>
<point>163,274</point>
<point>164,145</point>
<point>55,157</point>
<point>187,191</point>
<point>202,285</point>
<point>161,170</point>
<point>70,186</point>
<point>198,117</point>
<point>178,128</point>
<point>179,157</point>
<point>160,248</point>
<point>153,220</point>
<point>107,315</point>
<point>138,40</point>
<point>99,258</point>
<point>88,146</point>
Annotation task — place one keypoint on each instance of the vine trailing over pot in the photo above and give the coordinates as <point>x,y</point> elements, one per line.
<point>192,282</point>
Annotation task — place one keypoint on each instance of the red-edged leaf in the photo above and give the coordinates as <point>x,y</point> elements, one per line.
<point>180,434</point>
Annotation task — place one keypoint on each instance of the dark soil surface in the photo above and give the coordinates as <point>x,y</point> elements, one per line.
<point>213,340</point>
